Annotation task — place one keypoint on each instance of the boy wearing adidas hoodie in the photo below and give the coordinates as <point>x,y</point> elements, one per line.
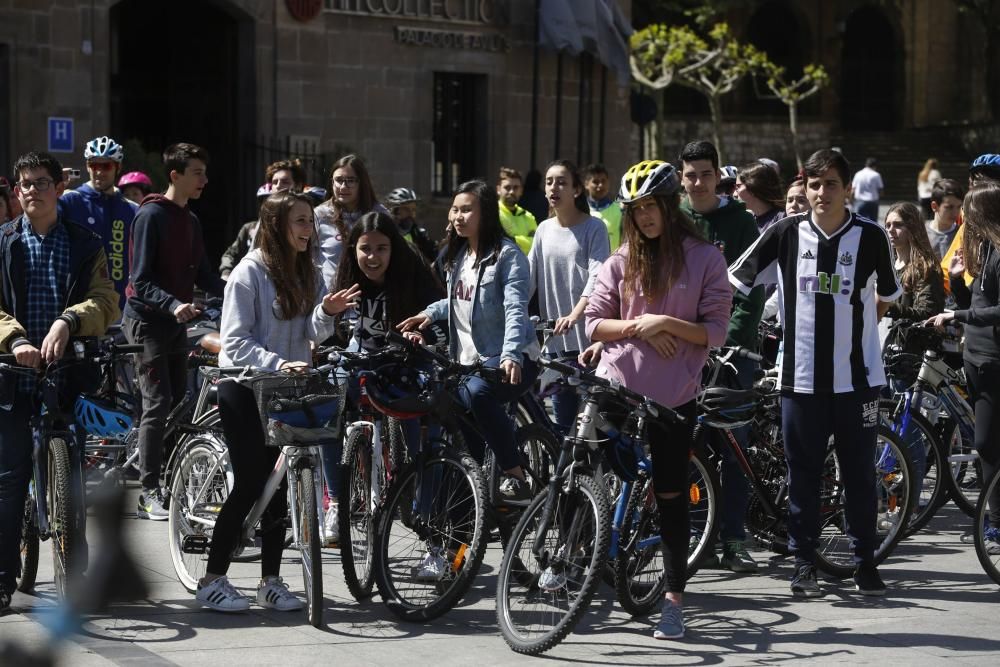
<point>167,258</point>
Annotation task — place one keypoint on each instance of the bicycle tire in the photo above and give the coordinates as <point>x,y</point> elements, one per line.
<point>895,480</point>
<point>965,478</point>
<point>928,502</point>
<point>592,528</point>
<point>30,547</point>
<point>990,562</point>
<point>355,514</point>
<point>62,517</point>
<point>191,473</point>
<point>310,548</point>
<point>459,526</point>
<point>638,554</point>
<point>704,505</point>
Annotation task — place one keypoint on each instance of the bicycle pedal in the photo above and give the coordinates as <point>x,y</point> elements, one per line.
<point>195,544</point>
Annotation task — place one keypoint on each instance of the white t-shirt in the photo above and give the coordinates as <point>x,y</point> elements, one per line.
<point>461,310</point>
<point>925,188</point>
<point>866,185</point>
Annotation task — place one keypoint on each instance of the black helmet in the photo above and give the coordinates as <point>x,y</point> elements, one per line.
<point>399,391</point>
<point>400,196</point>
<point>721,407</point>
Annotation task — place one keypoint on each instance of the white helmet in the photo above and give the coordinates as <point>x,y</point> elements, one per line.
<point>104,147</point>
<point>649,177</point>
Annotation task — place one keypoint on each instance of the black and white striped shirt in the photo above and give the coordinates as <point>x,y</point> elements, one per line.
<point>828,288</point>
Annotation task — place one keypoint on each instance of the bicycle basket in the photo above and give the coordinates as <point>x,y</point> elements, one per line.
<point>296,409</point>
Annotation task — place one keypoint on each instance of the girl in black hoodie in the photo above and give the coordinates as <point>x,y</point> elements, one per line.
<point>980,313</point>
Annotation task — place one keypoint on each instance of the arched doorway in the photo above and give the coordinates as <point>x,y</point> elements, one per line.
<point>870,77</point>
<point>775,29</point>
<point>182,70</point>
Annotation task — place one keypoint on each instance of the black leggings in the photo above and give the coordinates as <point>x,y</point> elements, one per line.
<point>984,388</point>
<point>252,463</point>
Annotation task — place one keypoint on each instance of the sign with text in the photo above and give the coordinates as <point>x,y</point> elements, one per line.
<point>452,39</point>
<point>445,11</point>
<point>60,135</point>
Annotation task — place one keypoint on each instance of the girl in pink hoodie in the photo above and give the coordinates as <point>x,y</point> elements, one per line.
<point>659,303</point>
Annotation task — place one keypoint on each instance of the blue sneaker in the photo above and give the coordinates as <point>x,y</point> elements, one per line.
<point>991,538</point>
<point>671,625</point>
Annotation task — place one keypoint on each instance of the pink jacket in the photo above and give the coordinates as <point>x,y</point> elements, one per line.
<point>701,294</point>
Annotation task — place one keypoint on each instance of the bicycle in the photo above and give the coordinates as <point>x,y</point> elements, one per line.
<point>766,468</point>
<point>56,505</point>
<point>938,393</point>
<point>294,409</point>
<point>564,535</point>
<point>987,533</point>
<point>431,531</point>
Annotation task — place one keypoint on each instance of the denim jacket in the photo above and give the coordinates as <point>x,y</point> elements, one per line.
<point>501,325</point>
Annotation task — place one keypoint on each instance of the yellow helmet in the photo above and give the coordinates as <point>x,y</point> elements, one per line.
<point>649,177</point>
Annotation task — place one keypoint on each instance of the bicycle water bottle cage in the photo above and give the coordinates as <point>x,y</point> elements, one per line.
<point>99,417</point>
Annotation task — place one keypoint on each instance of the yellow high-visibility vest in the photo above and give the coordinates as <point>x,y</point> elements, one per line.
<point>520,224</point>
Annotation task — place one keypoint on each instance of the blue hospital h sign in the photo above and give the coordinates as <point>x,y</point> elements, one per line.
<point>60,135</point>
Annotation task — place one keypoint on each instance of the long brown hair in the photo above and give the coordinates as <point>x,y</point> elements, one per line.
<point>655,264</point>
<point>366,191</point>
<point>292,272</point>
<point>982,224</point>
<point>922,259</point>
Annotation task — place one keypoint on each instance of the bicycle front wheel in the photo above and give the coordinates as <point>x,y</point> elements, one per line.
<point>430,537</point>
<point>355,516</point>
<point>986,532</point>
<point>929,467</point>
<point>25,582</point>
<point>704,494</point>
<point>893,477</point>
<point>62,518</point>
<point>966,472</point>
<point>307,493</point>
<point>541,598</point>
<point>200,485</point>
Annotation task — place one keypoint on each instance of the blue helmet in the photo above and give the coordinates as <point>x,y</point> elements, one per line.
<point>987,163</point>
<point>104,147</point>
<point>101,418</point>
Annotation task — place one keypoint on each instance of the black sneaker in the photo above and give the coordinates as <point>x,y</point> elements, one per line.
<point>514,490</point>
<point>5,596</point>
<point>867,581</point>
<point>151,505</point>
<point>804,584</point>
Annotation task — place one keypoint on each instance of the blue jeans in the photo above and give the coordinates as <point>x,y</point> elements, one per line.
<point>566,401</point>
<point>867,209</point>
<point>15,473</point>
<point>808,421</point>
<point>735,486</point>
<point>488,404</point>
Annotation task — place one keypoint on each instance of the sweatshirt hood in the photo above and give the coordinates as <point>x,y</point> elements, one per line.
<point>157,198</point>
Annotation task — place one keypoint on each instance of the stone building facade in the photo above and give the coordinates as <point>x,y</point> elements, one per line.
<point>429,92</point>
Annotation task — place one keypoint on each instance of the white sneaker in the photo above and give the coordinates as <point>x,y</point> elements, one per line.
<point>221,596</point>
<point>273,593</point>
<point>432,567</point>
<point>330,530</point>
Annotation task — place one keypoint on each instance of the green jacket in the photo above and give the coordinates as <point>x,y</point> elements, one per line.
<point>520,225</point>
<point>732,229</point>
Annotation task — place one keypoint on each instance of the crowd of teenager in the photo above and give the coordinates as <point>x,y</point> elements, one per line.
<point>640,279</point>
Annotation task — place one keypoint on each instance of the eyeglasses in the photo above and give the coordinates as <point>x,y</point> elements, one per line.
<point>348,181</point>
<point>40,184</point>
<point>101,166</point>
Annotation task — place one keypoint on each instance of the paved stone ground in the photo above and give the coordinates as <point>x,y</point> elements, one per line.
<point>941,606</point>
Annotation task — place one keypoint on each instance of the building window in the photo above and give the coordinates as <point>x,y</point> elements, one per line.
<point>5,98</point>
<point>459,129</point>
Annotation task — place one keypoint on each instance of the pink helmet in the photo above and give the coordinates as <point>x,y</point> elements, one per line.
<point>135,178</point>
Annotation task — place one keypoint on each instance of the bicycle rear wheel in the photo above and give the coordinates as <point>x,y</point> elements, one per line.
<point>926,452</point>
<point>25,582</point>
<point>986,536</point>
<point>307,493</point>
<point>356,513</point>
<point>62,518</point>
<point>200,485</point>
<point>639,569</point>
<point>893,475</point>
<point>704,496</point>
<point>575,548</point>
<point>966,478</point>
<point>430,537</point>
